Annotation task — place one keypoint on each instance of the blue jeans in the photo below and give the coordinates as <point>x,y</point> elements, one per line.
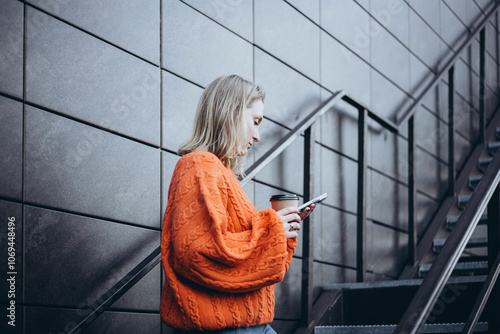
<point>261,329</point>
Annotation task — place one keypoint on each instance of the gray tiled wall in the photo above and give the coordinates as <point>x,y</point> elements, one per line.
<point>343,69</point>
<point>70,71</point>
<point>75,167</point>
<point>11,137</point>
<point>196,48</point>
<point>133,26</point>
<point>288,36</point>
<point>11,54</point>
<point>96,98</point>
<point>80,258</point>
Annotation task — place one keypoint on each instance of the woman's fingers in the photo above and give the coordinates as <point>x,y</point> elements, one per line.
<point>307,211</point>
<point>287,211</point>
<point>292,217</point>
<point>289,215</point>
<point>291,230</point>
<point>291,221</point>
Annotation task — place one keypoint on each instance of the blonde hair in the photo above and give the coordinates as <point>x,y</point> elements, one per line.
<point>219,123</point>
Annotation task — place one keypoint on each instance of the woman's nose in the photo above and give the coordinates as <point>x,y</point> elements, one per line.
<point>256,136</point>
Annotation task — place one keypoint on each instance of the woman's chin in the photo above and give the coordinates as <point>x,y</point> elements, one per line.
<point>242,153</point>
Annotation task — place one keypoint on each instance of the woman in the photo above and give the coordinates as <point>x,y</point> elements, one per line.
<point>220,255</point>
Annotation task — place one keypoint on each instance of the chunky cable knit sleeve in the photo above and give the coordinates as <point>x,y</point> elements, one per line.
<point>218,240</point>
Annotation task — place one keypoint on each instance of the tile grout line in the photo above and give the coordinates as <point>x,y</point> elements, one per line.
<point>23,166</point>
<point>161,144</point>
<point>161,109</point>
<point>89,216</point>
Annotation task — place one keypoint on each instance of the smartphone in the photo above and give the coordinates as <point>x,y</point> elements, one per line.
<point>316,200</point>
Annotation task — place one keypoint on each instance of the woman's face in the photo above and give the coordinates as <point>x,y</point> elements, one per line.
<point>252,117</point>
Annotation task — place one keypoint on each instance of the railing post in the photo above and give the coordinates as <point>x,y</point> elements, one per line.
<point>307,230</point>
<point>451,132</point>
<point>482,63</point>
<point>412,194</point>
<point>361,197</point>
<point>493,251</point>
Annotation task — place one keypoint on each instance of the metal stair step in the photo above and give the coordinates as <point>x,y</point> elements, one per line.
<point>438,244</point>
<point>452,221</point>
<point>484,163</point>
<point>493,147</point>
<point>481,327</point>
<point>462,201</point>
<point>461,269</point>
<point>474,181</point>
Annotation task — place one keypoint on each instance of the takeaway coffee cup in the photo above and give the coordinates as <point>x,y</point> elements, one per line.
<point>279,202</point>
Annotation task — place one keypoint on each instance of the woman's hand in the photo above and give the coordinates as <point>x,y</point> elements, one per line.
<point>307,211</point>
<point>291,221</point>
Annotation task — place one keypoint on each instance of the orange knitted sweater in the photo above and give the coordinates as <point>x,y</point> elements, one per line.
<point>221,257</point>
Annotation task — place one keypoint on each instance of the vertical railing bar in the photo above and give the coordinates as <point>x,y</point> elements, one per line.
<point>451,132</point>
<point>361,197</point>
<point>307,230</point>
<point>482,63</point>
<point>412,193</point>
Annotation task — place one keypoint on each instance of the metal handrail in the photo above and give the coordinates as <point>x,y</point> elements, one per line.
<point>117,291</point>
<point>387,124</point>
<point>281,145</point>
<point>480,304</point>
<point>411,111</point>
<point>433,284</point>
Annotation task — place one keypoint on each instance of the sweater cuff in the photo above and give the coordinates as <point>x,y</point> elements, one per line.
<point>291,243</point>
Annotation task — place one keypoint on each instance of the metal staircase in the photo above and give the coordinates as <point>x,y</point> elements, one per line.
<point>384,304</point>
<point>474,261</point>
<point>450,295</point>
